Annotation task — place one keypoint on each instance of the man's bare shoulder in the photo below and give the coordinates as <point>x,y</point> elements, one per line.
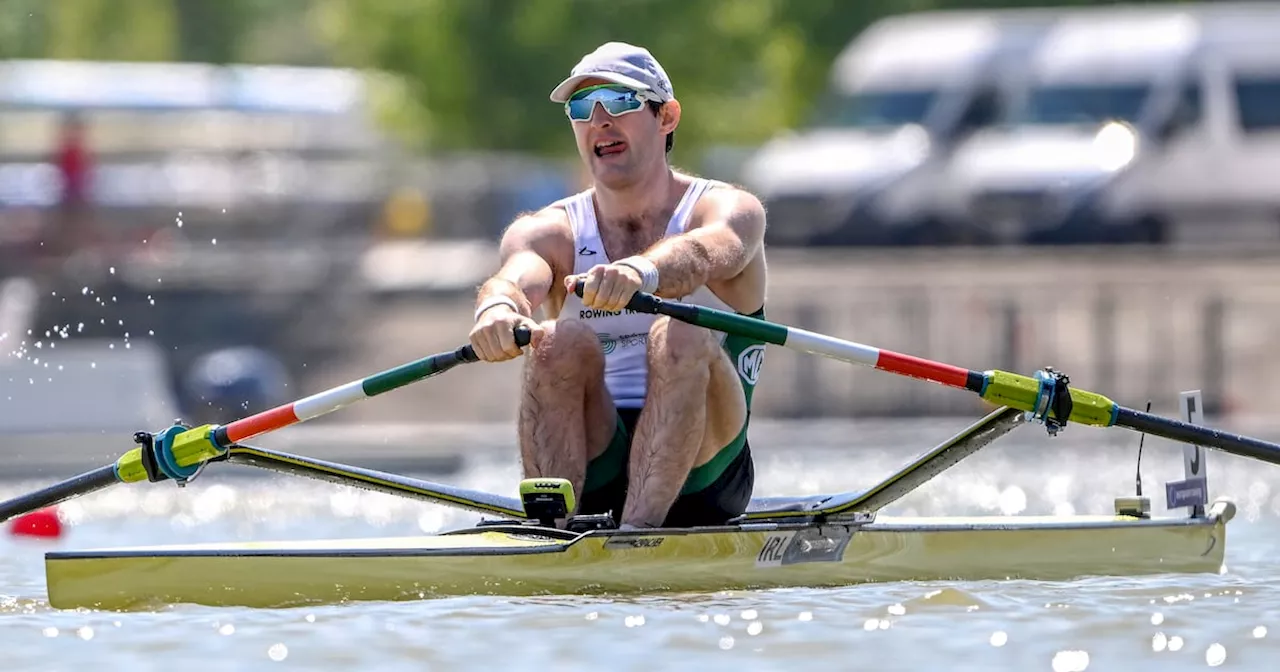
<point>734,205</point>
<point>543,231</point>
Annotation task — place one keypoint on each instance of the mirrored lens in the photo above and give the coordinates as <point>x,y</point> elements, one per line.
<point>615,102</point>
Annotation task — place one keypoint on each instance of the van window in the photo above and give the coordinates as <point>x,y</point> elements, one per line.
<point>1258,100</point>
<point>1092,104</point>
<point>870,109</point>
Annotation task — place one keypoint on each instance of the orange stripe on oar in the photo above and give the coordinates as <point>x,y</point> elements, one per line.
<point>918,367</point>
<point>266,421</point>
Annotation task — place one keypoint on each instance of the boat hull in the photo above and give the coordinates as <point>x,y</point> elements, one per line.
<point>522,561</point>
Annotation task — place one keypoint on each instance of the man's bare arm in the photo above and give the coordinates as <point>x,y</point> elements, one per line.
<point>729,235</point>
<point>530,255</point>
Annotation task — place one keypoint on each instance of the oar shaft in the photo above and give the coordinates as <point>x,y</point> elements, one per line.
<point>1003,388</point>
<point>1177,430</point>
<point>73,487</point>
<point>812,342</point>
<point>179,452</point>
<point>335,398</point>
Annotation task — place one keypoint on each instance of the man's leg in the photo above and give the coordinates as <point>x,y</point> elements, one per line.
<point>694,406</point>
<point>566,413</point>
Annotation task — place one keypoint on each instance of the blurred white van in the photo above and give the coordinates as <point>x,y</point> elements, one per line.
<point>1127,126</point>
<point>900,97</point>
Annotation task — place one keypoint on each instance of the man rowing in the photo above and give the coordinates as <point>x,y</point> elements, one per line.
<point>645,416</point>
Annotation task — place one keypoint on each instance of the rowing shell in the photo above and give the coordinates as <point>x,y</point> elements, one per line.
<point>816,541</point>
<point>522,560</point>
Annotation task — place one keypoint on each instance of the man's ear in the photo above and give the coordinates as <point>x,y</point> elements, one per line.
<point>669,116</point>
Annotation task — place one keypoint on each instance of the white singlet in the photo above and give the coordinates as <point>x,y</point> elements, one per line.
<point>624,336</point>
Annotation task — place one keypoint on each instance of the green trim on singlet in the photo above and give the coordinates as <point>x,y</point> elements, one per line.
<point>746,355</point>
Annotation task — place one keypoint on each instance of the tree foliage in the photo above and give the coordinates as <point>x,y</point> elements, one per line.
<point>477,73</point>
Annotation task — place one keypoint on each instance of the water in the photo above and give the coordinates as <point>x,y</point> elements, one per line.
<point>1173,622</point>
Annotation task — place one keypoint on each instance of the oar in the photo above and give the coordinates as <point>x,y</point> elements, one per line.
<point>1046,396</point>
<point>179,452</point>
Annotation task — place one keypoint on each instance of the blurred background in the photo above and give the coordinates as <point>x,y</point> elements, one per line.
<point>208,208</point>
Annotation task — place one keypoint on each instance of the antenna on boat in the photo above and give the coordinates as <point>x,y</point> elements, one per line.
<point>1137,477</point>
<point>1138,505</point>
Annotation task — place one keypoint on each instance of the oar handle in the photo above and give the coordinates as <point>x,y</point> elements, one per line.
<point>640,301</point>
<point>468,354</point>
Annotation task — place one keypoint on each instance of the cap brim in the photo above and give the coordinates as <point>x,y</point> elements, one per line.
<point>566,88</point>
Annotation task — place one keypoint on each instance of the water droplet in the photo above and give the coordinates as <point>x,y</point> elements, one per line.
<point>999,638</point>
<point>84,290</point>
<point>1157,618</point>
<point>749,614</point>
<point>93,365</point>
<point>1260,632</point>
<point>151,332</point>
<point>1070,661</point>
<point>213,241</point>
<point>755,628</point>
<point>592,616</point>
<point>311,618</point>
<point>1215,655</point>
<point>726,642</point>
<point>85,632</point>
<point>112,270</point>
<point>805,616</point>
<point>1159,642</point>
<point>278,652</point>
<point>1175,643</point>
<point>633,621</point>
<point>227,629</point>
<point>897,609</point>
<point>50,632</point>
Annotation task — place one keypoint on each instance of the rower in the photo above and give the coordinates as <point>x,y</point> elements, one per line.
<point>646,417</point>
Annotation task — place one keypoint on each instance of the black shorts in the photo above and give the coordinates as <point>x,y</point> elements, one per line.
<point>725,497</point>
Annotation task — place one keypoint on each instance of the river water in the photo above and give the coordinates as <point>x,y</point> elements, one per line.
<point>1172,622</point>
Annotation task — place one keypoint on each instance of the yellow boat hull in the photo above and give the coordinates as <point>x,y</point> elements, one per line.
<point>511,560</point>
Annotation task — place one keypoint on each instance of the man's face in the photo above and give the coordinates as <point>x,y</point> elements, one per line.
<point>620,149</point>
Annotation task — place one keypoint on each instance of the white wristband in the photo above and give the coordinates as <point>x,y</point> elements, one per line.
<point>498,300</point>
<point>647,270</point>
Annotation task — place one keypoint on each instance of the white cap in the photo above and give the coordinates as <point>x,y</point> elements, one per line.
<point>620,63</point>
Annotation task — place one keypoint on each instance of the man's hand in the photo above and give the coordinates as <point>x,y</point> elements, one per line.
<point>493,336</point>
<point>607,286</point>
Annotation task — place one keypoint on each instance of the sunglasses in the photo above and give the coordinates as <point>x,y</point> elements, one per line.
<point>615,99</point>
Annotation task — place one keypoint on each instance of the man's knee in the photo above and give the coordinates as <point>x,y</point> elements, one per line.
<point>676,343</point>
<point>566,343</point>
